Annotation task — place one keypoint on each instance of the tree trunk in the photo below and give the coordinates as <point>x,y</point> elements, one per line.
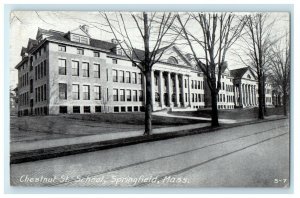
<point>214,110</point>
<point>148,107</point>
<point>260,100</point>
<point>284,100</point>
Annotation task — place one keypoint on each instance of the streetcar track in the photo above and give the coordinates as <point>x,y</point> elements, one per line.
<point>166,156</point>
<point>209,160</point>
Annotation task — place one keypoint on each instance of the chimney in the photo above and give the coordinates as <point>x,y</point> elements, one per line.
<point>85,28</point>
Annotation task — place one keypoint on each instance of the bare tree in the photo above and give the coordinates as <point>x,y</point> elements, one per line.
<point>215,34</point>
<point>258,41</point>
<point>280,70</point>
<point>150,32</point>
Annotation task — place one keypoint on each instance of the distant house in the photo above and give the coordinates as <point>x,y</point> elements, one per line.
<point>71,72</point>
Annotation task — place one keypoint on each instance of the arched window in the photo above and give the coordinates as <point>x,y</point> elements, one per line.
<point>172,60</point>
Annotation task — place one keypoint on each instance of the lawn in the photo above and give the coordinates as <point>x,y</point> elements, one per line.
<point>235,114</point>
<point>31,128</point>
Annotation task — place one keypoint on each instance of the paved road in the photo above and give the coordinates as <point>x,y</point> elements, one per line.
<point>249,156</point>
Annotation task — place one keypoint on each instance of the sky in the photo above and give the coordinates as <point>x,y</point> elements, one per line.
<point>24,25</point>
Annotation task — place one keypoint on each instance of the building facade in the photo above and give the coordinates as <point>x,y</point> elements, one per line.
<point>74,73</point>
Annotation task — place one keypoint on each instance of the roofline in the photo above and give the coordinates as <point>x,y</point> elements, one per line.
<point>21,62</point>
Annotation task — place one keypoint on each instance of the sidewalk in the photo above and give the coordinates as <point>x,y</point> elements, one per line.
<point>44,149</point>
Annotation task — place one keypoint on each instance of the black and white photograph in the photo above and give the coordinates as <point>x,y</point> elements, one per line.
<point>150,99</point>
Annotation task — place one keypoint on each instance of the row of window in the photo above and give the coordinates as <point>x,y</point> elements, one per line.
<point>75,68</point>
<point>131,95</point>
<point>127,77</point>
<point>222,98</point>
<point>40,70</point>
<point>40,52</point>
<point>63,92</point>
<point>197,97</point>
<point>23,80</point>
<point>118,109</point>
<point>229,88</point>
<point>196,84</point>
<point>80,51</point>
<point>225,106</point>
<point>41,93</point>
<point>24,99</point>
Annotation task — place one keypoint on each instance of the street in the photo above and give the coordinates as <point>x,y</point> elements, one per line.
<point>255,155</point>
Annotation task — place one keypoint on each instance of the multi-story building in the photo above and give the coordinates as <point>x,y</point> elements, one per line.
<point>75,73</point>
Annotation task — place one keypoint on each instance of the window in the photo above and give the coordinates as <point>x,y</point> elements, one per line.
<point>39,73</point>
<point>141,95</point>
<point>84,40</point>
<point>63,109</point>
<point>85,69</point>
<point>121,73</point>
<point>128,79</point>
<point>80,51</point>
<point>155,80</point>
<point>62,91</point>
<point>129,109</point>
<point>115,61</point>
<point>42,93</point>
<point>123,109</point>
<point>86,92</point>
<point>62,67</point>
<point>115,94</point>
<point>139,78</point>
<point>134,95</point>
<point>192,84</point>
<point>45,68</point>
<point>115,76</point>
<point>128,95</point>
<point>76,109</point>
<point>96,54</point>
<point>75,68</point>
<point>31,85</point>
<point>97,92</point>
<point>134,77</point>
<point>96,70</point>
<point>61,48</point>
<point>42,69</point>
<point>76,38</point>
<point>122,94</point>
<point>75,92</point>
<point>45,92</point>
<point>199,85</point>
<point>35,70</point>
<point>156,97</point>
<point>223,86</point>
<point>87,109</point>
<point>136,108</point>
<point>172,60</point>
<point>97,109</point>
<point>116,109</point>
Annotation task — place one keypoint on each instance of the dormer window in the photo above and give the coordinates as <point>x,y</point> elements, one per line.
<point>79,39</point>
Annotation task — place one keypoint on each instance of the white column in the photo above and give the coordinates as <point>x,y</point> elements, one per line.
<point>161,88</point>
<point>169,90</point>
<point>153,88</point>
<point>177,91</point>
<point>241,94</point>
<point>189,92</point>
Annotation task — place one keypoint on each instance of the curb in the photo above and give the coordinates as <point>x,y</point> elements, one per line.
<point>47,153</point>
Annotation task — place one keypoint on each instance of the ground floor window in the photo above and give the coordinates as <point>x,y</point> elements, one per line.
<point>142,108</point>
<point>123,109</point>
<point>76,109</point>
<point>62,109</point>
<point>116,109</point>
<point>87,109</point>
<point>129,109</point>
<point>136,108</point>
<point>97,109</point>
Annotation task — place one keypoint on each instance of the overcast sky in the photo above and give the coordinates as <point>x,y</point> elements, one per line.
<point>24,25</point>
